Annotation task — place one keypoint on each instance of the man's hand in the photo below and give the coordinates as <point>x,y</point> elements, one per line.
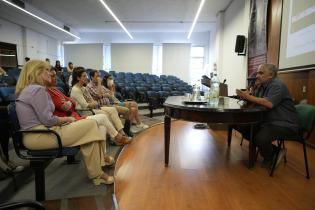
<point>257,100</point>
<point>244,94</point>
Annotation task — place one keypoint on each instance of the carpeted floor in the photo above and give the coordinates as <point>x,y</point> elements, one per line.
<point>64,181</point>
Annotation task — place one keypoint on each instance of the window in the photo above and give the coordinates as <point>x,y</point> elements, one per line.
<point>197,56</point>
<point>107,65</point>
<point>157,60</point>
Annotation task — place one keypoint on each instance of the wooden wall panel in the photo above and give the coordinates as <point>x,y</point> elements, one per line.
<point>273,31</point>
<point>311,87</point>
<point>297,83</point>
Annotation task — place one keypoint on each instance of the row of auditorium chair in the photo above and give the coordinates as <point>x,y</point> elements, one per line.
<point>135,86</point>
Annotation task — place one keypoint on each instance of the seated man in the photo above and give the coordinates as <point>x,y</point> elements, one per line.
<point>281,118</point>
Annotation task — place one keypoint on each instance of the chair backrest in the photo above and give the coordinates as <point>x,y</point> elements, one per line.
<point>7,94</point>
<point>306,113</point>
<point>14,128</point>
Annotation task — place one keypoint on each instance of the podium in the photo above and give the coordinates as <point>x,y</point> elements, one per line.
<point>223,88</point>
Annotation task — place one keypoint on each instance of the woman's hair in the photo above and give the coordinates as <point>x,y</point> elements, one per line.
<point>92,73</point>
<point>105,78</point>
<point>77,72</point>
<point>30,74</point>
<point>57,63</point>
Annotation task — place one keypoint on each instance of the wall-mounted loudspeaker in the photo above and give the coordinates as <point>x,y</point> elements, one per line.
<point>240,47</point>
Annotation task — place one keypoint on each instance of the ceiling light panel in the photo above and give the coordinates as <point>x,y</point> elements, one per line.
<point>39,18</point>
<point>195,19</point>
<point>116,18</point>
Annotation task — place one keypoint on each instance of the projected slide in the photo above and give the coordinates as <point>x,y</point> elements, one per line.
<point>301,28</point>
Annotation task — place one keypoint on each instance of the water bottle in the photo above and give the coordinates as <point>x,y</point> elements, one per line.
<point>215,88</point>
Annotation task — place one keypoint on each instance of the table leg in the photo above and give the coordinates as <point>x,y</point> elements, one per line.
<point>251,153</point>
<point>230,128</point>
<point>167,133</point>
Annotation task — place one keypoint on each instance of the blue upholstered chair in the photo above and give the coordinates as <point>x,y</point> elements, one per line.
<point>22,204</point>
<point>39,159</point>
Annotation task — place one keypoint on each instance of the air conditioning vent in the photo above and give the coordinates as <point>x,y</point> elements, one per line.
<point>19,3</point>
<point>66,28</point>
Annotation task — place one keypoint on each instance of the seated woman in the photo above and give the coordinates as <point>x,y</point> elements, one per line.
<point>84,100</point>
<point>100,95</point>
<point>65,106</point>
<point>108,83</point>
<point>35,109</point>
<point>58,66</point>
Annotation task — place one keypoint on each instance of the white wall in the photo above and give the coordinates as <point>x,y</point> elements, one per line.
<point>197,38</point>
<point>29,43</point>
<point>40,46</point>
<point>176,60</point>
<point>156,38</point>
<point>234,21</point>
<point>132,57</point>
<point>86,55</point>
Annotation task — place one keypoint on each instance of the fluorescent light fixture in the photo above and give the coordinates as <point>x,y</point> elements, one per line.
<point>196,18</point>
<point>114,16</point>
<point>41,19</point>
<point>6,55</point>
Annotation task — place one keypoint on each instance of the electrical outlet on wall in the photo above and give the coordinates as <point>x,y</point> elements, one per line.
<point>303,89</point>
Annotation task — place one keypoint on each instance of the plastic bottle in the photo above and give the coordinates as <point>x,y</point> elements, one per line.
<point>215,87</point>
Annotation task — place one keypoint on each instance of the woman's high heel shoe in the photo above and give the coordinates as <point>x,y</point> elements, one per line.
<point>103,179</point>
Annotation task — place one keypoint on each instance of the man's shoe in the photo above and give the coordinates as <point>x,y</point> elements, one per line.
<point>282,154</point>
<point>266,164</point>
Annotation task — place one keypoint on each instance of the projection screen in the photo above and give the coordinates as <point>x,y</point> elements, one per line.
<point>297,46</point>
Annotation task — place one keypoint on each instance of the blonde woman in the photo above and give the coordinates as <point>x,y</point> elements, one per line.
<point>35,109</point>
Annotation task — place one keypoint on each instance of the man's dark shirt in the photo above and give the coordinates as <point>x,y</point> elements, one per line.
<point>283,112</point>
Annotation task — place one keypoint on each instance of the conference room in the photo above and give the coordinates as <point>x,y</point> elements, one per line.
<point>214,102</point>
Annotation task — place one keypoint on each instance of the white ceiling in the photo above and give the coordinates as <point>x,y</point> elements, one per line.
<point>136,15</point>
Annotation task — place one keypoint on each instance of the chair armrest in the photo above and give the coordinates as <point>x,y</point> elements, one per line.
<point>19,204</point>
<point>47,131</point>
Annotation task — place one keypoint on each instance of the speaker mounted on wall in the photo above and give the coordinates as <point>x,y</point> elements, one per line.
<point>240,45</point>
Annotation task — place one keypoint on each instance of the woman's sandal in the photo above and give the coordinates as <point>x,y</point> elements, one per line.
<point>122,140</point>
<point>109,160</point>
<point>103,179</point>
